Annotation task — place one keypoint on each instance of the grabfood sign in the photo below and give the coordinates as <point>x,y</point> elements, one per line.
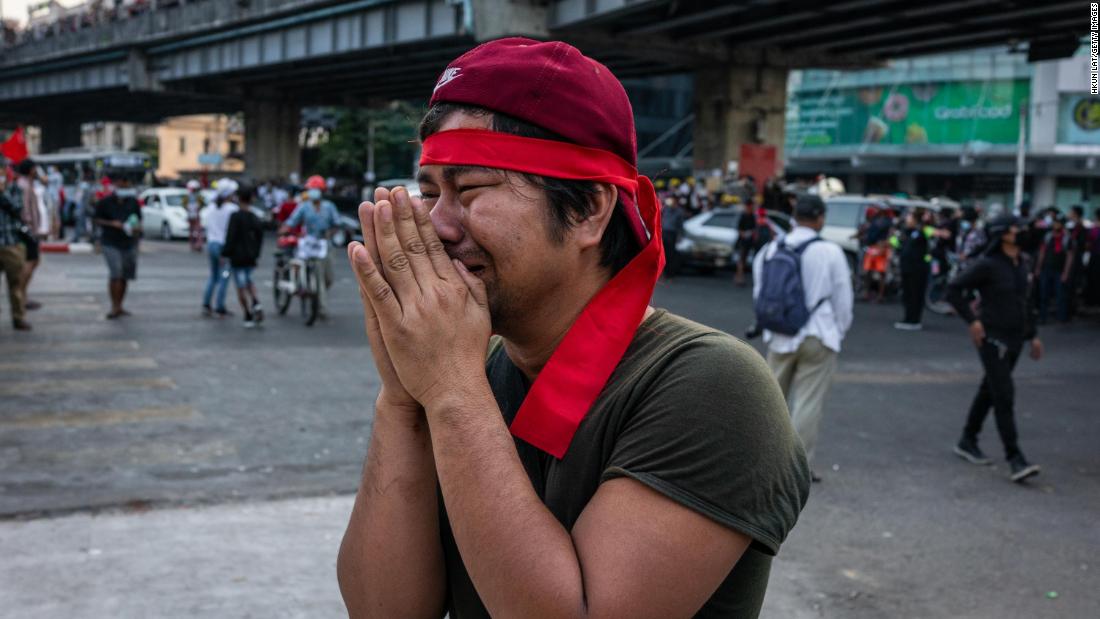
<point>907,116</point>
<point>974,111</point>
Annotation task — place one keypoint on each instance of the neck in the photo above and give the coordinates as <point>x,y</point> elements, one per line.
<point>529,345</point>
<point>1011,250</point>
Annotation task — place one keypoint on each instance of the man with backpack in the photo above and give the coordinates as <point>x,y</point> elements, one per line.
<point>802,293</point>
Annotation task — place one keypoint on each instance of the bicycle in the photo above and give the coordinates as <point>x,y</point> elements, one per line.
<point>300,277</point>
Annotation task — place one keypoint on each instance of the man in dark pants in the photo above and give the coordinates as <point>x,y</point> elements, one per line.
<point>672,224</point>
<point>914,261</point>
<point>1006,321</point>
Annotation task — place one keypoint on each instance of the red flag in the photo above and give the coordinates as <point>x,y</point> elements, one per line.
<point>15,148</point>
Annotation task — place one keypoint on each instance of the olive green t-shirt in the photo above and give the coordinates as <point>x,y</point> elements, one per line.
<point>694,414</point>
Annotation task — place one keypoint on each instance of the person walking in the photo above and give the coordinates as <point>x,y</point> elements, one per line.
<point>34,217</point>
<point>194,215</point>
<point>1092,271</point>
<point>118,215</point>
<point>12,254</point>
<point>244,237</point>
<point>913,259</point>
<point>672,225</point>
<point>1054,268</point>
<point>217,224</point>
<point>803,359</point>
<point>1005,321</point>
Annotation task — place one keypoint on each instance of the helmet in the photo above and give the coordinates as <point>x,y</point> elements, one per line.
<point>226,187</point>
<point>315,182</point>
<point>193,185</point>
<point>659,183</point>
<point>1000,225</point>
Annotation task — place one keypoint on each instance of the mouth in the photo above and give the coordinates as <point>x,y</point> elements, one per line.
<point>475,269</point>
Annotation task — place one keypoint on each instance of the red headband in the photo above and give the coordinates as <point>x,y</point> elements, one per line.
<point>579,368</point>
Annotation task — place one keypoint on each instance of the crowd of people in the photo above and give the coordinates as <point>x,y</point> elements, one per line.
<point>34,209</point>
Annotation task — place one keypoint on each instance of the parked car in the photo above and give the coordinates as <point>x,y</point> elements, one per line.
<point>164,213</point>
<point>708,239</point>
<point>844,214</point>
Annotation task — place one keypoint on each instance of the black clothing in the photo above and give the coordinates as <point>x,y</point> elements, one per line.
<point>914,248</point>
<point>914,284</point>
<point>999,357</point>
<point>243,239</point>
<point>118,208</point>
<point>1004,287</point>
<point>689,412</point>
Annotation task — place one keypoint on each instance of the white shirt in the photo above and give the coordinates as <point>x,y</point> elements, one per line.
<point>825,275</point>
<point>217,222</point>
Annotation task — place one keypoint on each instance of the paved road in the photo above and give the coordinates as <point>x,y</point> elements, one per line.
<point>167,409</point>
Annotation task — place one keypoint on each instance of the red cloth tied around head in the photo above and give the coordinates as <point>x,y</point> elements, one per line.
<point>580,366</point>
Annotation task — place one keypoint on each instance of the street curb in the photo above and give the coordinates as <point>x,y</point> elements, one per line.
<point>65,248</point>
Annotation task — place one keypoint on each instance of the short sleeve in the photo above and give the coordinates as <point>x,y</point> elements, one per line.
<point>713,434</point>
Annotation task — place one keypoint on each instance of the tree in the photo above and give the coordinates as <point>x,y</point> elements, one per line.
<point>344,152</point>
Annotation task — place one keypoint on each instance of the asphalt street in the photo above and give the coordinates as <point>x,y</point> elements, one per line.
<point>135,432</point>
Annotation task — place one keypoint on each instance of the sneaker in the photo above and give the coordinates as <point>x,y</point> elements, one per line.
<point>968,450</point>
<point>258,312</point>
<point>207,312</point>
<point>1021,469</point>
<point>223,313</point>
<point>30,306</point>
<point>20,325</point>
<point>908,326</point>
<point>249,324</point>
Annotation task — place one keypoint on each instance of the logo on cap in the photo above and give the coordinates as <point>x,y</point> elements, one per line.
<point>447,76</point>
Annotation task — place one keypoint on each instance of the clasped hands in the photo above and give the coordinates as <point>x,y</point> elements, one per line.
<point>427,316</point>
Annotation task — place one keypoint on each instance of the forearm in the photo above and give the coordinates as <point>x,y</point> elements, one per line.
<point>391,559</point>
<point>520,558</point>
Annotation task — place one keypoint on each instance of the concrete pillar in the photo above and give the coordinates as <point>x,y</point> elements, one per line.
<point>271,139</point>
<point>735,105</point>
<point>60,133</point>
<point>1044,193</point>
<point>907,182</point>
<point>857,183</point>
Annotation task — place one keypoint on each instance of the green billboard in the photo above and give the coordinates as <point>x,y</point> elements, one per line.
<point>907,116</point>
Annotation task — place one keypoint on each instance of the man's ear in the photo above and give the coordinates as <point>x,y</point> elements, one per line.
<point>589,231</point>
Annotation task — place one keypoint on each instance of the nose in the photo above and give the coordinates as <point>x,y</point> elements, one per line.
<point>447,219</point>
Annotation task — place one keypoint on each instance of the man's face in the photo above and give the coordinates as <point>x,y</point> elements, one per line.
<point>498,225</point>
<point>1009,237</point>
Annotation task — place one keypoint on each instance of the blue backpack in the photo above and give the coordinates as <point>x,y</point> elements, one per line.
<point>781,305</point>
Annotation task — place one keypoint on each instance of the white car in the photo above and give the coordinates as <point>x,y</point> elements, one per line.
<point>708,239</point>
<point>164,213</point>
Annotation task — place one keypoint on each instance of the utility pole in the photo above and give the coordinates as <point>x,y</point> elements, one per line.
<point>1018,192</point>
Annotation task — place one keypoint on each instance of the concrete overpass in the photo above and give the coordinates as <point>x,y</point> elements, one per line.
<point>271,57</point>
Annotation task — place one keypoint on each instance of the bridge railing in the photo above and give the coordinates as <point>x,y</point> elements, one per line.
<point>161,20</point>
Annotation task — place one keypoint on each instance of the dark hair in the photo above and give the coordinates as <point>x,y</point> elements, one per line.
<point>245,192</point>
<point>25,167</point>
<point>1078,210</point>
<point>570,200</point>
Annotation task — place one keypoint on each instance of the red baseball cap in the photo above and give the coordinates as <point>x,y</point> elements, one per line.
<point>548,84</point>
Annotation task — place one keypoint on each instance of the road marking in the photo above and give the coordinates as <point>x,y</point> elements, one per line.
<point>907,378</point>
<point>71,346</point>
<point>124,363</point>
<point>97,418</point>
<point>48,387</point>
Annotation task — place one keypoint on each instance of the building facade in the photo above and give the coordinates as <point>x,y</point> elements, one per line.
<point>951,125</point>
<point>198,146</point>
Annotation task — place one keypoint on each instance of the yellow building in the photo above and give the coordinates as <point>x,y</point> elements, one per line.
<point>190,146</point>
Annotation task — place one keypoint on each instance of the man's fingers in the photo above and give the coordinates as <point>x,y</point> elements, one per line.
<point>436,252</point>
<point>408,235</point>
<point>476,286</point>
<point>366,222</point>
<point>381,193</point>
<point>373,286</point>
<point>393,260</point>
